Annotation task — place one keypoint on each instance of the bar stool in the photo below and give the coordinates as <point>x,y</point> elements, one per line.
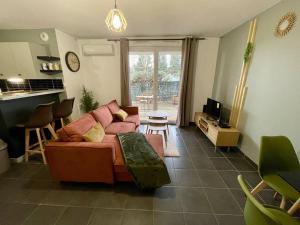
<point>41,118</point>
<point>62,111</point>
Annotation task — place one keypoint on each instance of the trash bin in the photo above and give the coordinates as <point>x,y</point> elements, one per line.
<point>4,161</point>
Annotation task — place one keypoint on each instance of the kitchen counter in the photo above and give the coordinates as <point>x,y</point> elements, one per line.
<point>5,96</point>
<point>16,107</point>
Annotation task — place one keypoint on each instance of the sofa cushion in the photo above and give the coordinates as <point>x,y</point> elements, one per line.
<point>120,127</point>
<point>103,115</point>
<point>113,106</point>
<point>133,119</point>
<point>75,130</point>
<point>95,134</point>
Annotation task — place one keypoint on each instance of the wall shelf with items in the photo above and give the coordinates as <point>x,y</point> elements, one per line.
<point>48,58</point>
<point>51,72</point>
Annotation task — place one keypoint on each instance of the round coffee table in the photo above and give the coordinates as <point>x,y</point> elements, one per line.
<point>158,121</point>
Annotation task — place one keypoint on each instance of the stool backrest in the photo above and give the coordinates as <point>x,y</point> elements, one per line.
<point>41,116</point>
<point>63,109</point>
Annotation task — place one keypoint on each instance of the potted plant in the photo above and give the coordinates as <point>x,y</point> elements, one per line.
<point>87,101</point>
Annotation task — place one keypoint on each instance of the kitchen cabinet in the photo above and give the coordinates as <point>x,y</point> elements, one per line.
<point>20,59</point>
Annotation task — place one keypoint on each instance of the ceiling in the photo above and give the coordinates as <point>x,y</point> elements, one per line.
<point>85,18</point>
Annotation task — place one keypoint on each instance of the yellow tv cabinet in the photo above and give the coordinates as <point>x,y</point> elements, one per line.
<point>220,137</point>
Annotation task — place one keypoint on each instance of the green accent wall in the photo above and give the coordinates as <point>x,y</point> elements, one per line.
<point>272,105</point>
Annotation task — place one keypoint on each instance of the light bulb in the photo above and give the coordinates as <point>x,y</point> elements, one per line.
<point>116,22</point>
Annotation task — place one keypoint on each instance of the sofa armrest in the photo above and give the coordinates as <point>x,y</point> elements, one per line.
<point>81,161</point>
<point>131,110</point>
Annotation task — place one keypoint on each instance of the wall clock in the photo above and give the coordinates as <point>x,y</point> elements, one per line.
<point>285,24</point>
<point>72,61</point>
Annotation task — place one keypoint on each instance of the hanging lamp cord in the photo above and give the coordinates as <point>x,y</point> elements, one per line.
<point>115,4</point>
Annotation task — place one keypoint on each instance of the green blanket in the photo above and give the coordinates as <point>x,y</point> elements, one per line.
<point>147,168</point>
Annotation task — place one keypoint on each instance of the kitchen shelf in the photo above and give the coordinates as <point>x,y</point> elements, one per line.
<point>51,72</point>
<point>48,58</point>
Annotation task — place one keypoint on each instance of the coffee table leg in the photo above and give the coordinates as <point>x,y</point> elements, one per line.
<point>166,136</point>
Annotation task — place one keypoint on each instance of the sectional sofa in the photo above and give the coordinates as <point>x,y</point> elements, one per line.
<point>70,158</point>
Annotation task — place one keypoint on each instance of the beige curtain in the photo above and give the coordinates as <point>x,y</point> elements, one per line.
<point>124,69</point>
<point>189,49</point>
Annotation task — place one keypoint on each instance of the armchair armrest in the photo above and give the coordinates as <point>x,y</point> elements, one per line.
<point>131,110</point>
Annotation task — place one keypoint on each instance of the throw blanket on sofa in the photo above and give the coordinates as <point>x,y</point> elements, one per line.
<point>147,168</point>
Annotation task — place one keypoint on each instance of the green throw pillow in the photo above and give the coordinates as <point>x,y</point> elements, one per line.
<point>95,134</point>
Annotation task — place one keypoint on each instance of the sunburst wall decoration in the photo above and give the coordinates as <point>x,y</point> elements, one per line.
<point>285,24</point>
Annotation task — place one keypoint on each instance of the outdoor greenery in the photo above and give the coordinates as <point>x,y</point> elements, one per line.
<point>87,101</point>
<point>142,70</point>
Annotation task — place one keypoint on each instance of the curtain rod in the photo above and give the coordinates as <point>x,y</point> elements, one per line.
<point>153,39</point>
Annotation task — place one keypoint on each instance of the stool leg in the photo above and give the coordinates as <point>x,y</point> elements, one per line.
<point>27,139</point>
<point>41,144</point>
<point>62,122</point>
<point>51,131</point>
<point>53,125</point>
<point>43,135</point>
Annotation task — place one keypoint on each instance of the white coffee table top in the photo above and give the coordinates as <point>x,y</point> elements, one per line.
<point>158,114</point>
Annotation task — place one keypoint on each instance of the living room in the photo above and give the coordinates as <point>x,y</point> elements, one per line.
<point>162,112</point>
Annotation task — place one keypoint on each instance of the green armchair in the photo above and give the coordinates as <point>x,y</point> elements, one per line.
<point>257,214</point>
<point>277,154</point>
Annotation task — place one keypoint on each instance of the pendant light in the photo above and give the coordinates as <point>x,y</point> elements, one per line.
<point>115,20</point>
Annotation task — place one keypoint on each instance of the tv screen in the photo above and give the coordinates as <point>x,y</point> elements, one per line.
<point>213,108</point>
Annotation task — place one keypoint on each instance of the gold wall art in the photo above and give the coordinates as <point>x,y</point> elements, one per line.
<point>285,24</point>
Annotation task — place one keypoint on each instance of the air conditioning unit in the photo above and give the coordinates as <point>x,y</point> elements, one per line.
<point>98,49</point>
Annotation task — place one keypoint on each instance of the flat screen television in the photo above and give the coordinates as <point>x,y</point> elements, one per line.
<point>213,108</point>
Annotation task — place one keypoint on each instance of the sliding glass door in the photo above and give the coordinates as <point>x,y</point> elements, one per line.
<point>154,80</point>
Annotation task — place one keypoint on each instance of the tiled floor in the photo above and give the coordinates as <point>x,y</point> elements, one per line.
<point>204,191</point>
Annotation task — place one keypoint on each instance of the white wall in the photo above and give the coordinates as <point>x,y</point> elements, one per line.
<point>204,73</point>
<point>73,81</point>
<point>102,73</point>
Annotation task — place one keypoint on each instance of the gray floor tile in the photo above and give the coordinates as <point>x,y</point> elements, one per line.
<point>133,217</point>
<point>239,196</point>
<point>163,218</point>
<point>167,199</point>
<point>223,202</point>
<point>75,216</point>
<point>211,178</point>
<point>140,202</point>
<point>84,198</point>
<point>46,215</point>
<point>106,217</point>
<point>199,219</point>
<point>182,163</point>
<point>230,178</point>
<point>203,163</point>
<point>242,164</point>
<point>189,178</point>
<point>111,199</point>
<point>58,197</point>
<point>194,200</point>
<point>230,220</point>
<point>196,151</point>
<point>222,164</point>
<point>15,213</point>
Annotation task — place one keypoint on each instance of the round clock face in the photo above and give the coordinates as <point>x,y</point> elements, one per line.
<point>72,61</point>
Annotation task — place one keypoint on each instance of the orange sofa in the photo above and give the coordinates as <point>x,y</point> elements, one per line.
<point>72,159</point>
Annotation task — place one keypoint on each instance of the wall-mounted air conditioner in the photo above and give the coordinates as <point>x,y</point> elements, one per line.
<point>98,49</point>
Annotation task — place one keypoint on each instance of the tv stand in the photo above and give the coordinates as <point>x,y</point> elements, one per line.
<point>220,137</point>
